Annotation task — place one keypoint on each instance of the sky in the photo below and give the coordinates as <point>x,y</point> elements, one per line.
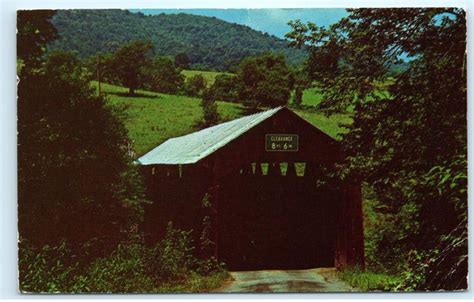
<point>272,21</point>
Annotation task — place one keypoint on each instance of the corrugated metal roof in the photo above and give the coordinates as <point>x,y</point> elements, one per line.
<point>191,148</point>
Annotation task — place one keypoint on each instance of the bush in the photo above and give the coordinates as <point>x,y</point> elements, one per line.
<point>76,181</point>
<point>169,266</point>
<point>209,107</point>
<point>224,88</point>
<point>124,271</point>
<point>49,269</point>
<point>384,249</point>
<point>195,85</point>
<point>175,255</point>
<point>369,281</point>
<point>264,80</point>
<point>162,76</point>
<point>298,96</point>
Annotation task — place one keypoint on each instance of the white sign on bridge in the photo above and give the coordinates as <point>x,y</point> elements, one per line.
<point>281,142</point>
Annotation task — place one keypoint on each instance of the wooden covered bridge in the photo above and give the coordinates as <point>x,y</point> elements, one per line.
<point>272,204</point>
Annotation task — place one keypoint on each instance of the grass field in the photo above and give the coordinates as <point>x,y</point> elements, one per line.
<point>153,117</point>
<point>311,97</point>
<point>210,76</point>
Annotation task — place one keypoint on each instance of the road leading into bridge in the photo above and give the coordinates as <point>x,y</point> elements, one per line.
<point>285,281</point>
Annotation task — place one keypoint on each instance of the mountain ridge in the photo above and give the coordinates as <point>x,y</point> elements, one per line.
<point>210,43</point>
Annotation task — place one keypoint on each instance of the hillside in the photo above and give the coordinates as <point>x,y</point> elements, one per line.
<point>209,42</point>
<point>153,117</point>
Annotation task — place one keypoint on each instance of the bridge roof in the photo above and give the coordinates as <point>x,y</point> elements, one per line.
<point>191,148</point>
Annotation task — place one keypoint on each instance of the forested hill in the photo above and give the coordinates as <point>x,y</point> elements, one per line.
<point>209,42</point>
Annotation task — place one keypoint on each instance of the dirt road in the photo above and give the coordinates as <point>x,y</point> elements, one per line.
<point>289,281</point>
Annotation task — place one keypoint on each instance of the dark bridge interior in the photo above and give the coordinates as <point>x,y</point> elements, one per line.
<point>276,221</point>
<point>270,216</point>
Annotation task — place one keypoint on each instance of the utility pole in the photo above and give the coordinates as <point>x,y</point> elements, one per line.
<point>98,74</point>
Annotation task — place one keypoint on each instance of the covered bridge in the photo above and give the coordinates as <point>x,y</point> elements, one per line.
<point>266,190</point>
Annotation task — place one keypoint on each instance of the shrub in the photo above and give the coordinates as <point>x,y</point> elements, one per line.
<point>209,107</point>
<point>264,80</point>
<point>298,96</point>
<point>175,255</point>
<point>124,271</point>
<point>169,266</point>
<point>224,88</point>
<point>163,76</point>
<point>76,181</point>
<point>369,281</point>
<point>195,85</point>
<point>49,269</point>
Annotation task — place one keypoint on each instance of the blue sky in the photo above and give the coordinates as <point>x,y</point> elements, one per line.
<point>272,21</point>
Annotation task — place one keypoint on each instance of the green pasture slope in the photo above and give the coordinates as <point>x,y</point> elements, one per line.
<point>152,118</point>
<point>311,97</point>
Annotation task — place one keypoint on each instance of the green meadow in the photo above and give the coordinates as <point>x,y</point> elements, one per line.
<point>152,118</point>
<point>312,97</point>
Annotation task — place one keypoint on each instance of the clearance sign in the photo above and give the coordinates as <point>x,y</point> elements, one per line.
<point>281,142</point>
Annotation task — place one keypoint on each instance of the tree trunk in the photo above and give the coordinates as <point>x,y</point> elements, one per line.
<point>131,91</point>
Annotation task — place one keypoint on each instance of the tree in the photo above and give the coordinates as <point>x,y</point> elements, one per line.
<point>130,63</point>
<point>408,138</point>
<point>300,82</point>
<point>224,88</point>
<point>35,31</point>
<point>264,80</point>
<point>209,42</point>
<point>209,107</point>
<point>100,66</point>
<point>195,85</point>
<point>75,180</point>
<point>163,76</point>
<point>181,60</point>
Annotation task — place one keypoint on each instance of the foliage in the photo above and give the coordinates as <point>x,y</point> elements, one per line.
<point>163,76</point>
<point>209,108</point>
<point>369,281</point>
<point>176,254</point>
<point>382,233</point>
<point>264,80</point>
<point>224,88</point>
<point>75,179</point>
<point>101,68</point>
<point>195,85</point>
<point>46,269</point>
<point>394,143</point>
<point>300,83</point>
<point>130,63</point>
<point>125,270</point>
<point>181,60</point>
<point>209,43</point>
<point>34,31</point>
<point>443,191</point>
<point>298,97</point>
<point>209,76</point>
<point>132,267</point>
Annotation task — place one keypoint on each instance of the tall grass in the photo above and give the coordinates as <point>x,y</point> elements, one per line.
<point>369,281</point>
